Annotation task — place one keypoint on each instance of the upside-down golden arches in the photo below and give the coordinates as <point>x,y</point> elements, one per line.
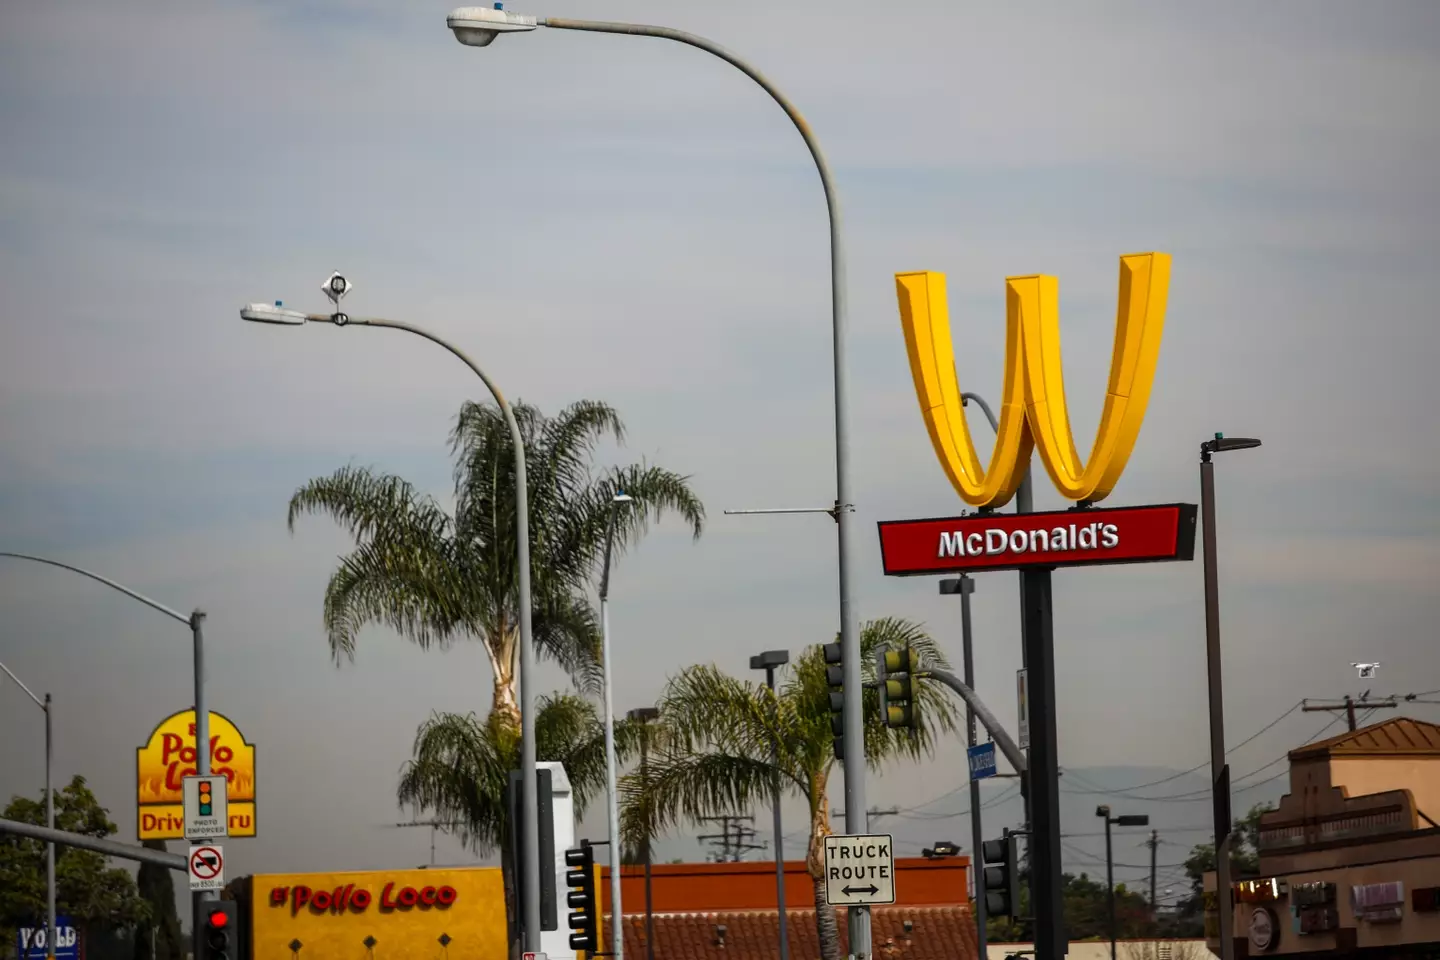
<point>1033,411</point>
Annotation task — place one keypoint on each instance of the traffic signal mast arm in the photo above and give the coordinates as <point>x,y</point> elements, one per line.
<point>982,713</point>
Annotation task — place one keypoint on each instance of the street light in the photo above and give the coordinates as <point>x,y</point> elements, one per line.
<point>1124,820</point>
<point>479,26</point>
<point>617,931</point>
<point>644,716</point>
<point>49,813</point>
<point>530,791</point>
<point>1219,769</point>
<point>202,710</point>
<point>770,661</point>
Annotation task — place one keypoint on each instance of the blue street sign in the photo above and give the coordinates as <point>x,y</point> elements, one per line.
<point>30,941</point>
<point>982,761</point>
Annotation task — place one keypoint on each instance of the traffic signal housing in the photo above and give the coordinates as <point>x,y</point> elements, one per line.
<point>206,806</point>
<point>1002,877</point>
<point>835,677</point>
<point>895,671</point>
<point>584,911</point>
<point>222,936</point>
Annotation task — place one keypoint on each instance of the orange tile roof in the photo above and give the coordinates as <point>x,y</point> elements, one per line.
<point>1398,735</point>
<point>937,933</point>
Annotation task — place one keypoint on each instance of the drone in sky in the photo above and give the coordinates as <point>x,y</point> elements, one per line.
<point>1366,671</point>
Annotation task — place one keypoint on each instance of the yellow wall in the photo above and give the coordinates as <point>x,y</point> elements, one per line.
<point>475,921</point>
<point>1361,776</point>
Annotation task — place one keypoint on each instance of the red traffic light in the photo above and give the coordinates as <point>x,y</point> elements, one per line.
<point>218,919</point>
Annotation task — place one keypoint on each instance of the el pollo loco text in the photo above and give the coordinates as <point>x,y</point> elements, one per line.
<point>355,899</point>
<point>178,759</point>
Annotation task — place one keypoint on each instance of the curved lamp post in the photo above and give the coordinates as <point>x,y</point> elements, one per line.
<point>202,710</point>
<point>478,27</point>
<point>336,287</point>
<point>48,707</point>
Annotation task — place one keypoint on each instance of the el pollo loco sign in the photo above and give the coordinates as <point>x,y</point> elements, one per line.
<point>356,899</point>
<point>169,756</point>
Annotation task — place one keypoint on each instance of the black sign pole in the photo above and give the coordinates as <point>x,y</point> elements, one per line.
<point>1043,775</point>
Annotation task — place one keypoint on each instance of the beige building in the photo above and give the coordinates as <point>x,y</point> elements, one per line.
<point>1350,861</point>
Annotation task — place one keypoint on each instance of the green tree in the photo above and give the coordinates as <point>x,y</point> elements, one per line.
<point>1244,862</point>
<point>461,765</point>
<point>88,889</point>
<point>436,578</point>
<point>160,938</point>
<point>720,736</point>
<point>1086,909</point>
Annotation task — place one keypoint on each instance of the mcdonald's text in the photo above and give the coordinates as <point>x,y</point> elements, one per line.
<point>1066,538</point>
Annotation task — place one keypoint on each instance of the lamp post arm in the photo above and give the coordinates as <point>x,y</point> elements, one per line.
<point>18,682</point>
<point>83,841</point>
<point>105,580</point>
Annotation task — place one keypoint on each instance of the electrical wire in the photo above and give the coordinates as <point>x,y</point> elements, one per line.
<point>1195,796</point>
<point>1201,766</point>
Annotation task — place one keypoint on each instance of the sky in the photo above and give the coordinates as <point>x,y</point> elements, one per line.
<point>630,220</point>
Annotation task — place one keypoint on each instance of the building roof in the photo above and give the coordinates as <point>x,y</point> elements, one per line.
<point>937,933</point>
<point>1396,736</point>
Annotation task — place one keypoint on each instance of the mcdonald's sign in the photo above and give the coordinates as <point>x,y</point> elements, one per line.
<point>1034,416</point>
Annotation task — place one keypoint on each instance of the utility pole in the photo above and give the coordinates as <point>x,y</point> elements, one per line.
<point>731,846</point>
<point>1153,843</point>
<point>873,813</point>
<point>433,825</point>
<point>1348,705</point>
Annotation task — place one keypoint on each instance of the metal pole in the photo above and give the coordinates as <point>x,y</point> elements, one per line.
<point>1044,772</point>
<point>109,848</point>
<point>1110,884</point>
<point>779,833</point>
<point>617,912</point>
<point>649,903</point>
<point>49,822</point>
<point>529,786</point>
<point>856,821</point>
<point>617,915</point>
<point>1219,770</point>
<point>977,838</point>
<point>1154,911</point>
<point>202,764</point>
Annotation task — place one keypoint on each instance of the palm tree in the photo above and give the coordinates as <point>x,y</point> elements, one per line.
<point>461,766</point>
<point>724,735</point>
<point>435,578</point>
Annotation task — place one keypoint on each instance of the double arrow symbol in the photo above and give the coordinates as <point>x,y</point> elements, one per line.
<point>851,891</point>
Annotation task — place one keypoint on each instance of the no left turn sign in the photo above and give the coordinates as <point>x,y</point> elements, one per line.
<point>207,868</point>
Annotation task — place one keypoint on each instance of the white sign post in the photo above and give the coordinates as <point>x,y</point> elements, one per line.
<point>859,870</point>
<point>207,807</point>
<point>1022,694</point>
<point>207,867</point>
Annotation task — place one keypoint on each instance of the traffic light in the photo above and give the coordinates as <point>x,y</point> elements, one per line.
<point>895,670</point>
<point>221,936</point>
<point>584,915</point>
<point>205,805</point>
<point>1002,877</point>
<point>835,676</point>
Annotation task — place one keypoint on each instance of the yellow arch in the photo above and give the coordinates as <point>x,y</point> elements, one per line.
<point>1033,411</point>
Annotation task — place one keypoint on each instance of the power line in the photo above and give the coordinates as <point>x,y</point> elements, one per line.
<point>1201,766</point>
<point>1195,796</point>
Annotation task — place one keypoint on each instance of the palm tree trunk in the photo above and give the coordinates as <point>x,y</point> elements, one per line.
<point>826,927</point>
<point>504,696</point>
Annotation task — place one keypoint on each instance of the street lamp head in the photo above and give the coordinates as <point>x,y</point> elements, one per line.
<point>479,26</point>
<point>622,497</point>
<point>643,714</point>
<point>1102,811</point>
<point>1221,443</point>
<point>770,659</point>
<point>1133,820</point>
<point>265,313</point>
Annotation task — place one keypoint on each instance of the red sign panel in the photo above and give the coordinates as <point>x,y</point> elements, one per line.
<point>1063,538</point>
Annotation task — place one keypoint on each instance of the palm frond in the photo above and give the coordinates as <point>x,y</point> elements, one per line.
<point>369,505</point>
<point>565,628</point>
<point>687,787</point>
